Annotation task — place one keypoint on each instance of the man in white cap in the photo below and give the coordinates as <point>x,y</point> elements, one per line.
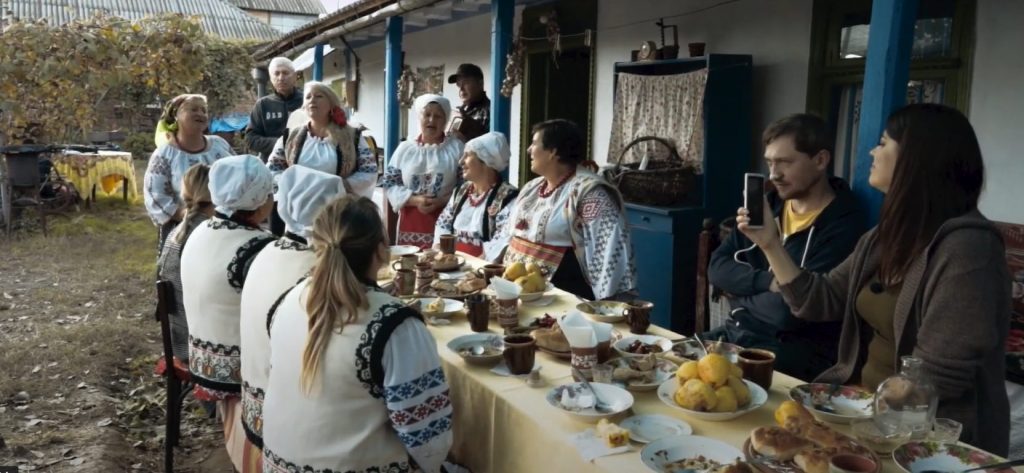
<point>479,208</point>
<point>301,193</point>
<point>269,118</point>
<point>214,265</point>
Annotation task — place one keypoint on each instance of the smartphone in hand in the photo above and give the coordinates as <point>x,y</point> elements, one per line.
<point>753,198</point>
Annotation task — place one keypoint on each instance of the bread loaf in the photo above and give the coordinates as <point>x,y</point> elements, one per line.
<point>777,443</point>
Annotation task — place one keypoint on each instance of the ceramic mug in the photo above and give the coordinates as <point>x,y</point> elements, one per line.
<point>489,271</point>
<point>850,463</point>
<point>405,262</point>
<point>478,311</point>
<point>583,359</point>
<point>447,244</point>
<point>638,316</point>
<point>405,282</point>
<point>519,353</point>
<point>507,311</point>
<point>758,366</point>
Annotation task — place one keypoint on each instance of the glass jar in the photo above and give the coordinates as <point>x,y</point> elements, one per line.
<point>906,401</point>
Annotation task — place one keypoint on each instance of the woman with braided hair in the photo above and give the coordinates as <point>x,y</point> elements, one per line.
<point>185,117</point>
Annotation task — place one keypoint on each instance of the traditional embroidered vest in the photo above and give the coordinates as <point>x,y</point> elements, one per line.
<point>495,202</point>
<point>347,148</point>
<point>274,271</point>
<point>213,268</point>
<point>344,422</point>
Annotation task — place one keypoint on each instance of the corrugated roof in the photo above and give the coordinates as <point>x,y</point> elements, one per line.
<point>302,7</point>
<point>218,17</point>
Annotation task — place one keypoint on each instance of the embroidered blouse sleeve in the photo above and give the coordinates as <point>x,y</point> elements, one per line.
<point>445,222</point>
<point>498,241</point>
<point>398,194</point>
<point>158,193</point>
<point>362,181</point>
<point>416,394</point>
<point>277,162</point>
<point>609,256</point>
<point>221,146</point>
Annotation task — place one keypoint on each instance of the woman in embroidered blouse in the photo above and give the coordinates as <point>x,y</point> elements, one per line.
<point>326,143</point>
<point>214,265</point>
<point>570,221</point>
<point>479,208</point>
<point>195,194</point>
<point>336,327</point>
<point>421,174</point>
<point>186,119</point>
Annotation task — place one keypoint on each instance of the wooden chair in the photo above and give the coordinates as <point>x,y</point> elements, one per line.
<point>707,242</point>
<point>179,380</point>
<point>22,183</point>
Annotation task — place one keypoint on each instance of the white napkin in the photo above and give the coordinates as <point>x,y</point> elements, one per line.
<point>590,446</point>
<point>583,333</point>
<point>505,289</point>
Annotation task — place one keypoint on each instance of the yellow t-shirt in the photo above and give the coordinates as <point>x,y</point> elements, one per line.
<point>793,222</point>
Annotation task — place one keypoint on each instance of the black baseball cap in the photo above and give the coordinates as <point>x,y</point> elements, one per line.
<point>466,70</point>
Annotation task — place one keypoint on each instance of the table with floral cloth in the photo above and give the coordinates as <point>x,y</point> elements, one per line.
<point>103,171</point>
<point>503,425</point>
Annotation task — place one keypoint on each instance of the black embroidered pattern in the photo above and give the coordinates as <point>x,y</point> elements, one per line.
<point>217,348</point>
<point>220,223</point>
<point>275,464</point>
<point>238,268</point>
<point>273,308</point>
<point>290,244</point>
<point>372,342</point>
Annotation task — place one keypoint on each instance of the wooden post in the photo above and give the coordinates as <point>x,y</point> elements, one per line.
<point>392,71</point>
<point>318,62</point>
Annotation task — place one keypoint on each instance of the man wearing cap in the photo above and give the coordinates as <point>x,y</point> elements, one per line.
<point>269,117</point>
<point>475,111</point>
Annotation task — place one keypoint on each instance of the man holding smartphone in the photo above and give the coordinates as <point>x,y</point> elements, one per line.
<point>820,222</point>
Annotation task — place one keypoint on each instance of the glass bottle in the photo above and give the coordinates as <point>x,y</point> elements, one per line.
<point>906,401</point>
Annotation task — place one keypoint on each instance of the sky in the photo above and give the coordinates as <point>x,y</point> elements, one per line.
<point>331,5</point>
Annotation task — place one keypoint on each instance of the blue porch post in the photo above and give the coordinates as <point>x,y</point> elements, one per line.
<point>886,72</point>
<point>318,62</point>
<point>502,13</point>
<point>392,70</point>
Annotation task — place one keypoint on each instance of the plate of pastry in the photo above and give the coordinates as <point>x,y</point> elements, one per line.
<point>455,288</point>
<point>440,307</point>
<point>448,262</point>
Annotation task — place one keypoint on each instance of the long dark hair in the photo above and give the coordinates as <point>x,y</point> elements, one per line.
<point>938,175</point>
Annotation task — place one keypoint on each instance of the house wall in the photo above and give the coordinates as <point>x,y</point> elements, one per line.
<point>997,103</point>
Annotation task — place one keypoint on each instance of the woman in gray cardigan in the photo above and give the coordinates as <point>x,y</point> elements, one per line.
<point>929,281</point>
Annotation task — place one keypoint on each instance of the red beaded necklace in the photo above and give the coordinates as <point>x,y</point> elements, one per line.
<point>473,199</point>
<point>544,192</point>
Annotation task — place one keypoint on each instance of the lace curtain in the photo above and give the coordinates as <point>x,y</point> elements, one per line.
<point>669,107</point>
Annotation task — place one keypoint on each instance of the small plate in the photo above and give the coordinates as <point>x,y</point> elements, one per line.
<point>660,454</point>
<point>664,370</point>
<point>451,265</point>
<point>915,457</point>
<point>849,403</point>
<point>457,344</point>
<point>402,250</point>
<point>619,399</point>
<point>758,396</point>
<point>651,427</point>
<point>662,342</point>
<point>451,306</point>
<point>609,312</point>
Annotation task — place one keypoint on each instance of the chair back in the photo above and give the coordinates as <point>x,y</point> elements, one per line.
<point>164,301</point>
<point>23,170</point>
<point>707,242</point>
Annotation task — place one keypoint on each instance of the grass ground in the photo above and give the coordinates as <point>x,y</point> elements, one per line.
<point>77,346</point>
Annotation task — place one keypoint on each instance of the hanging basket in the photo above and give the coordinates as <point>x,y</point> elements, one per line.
<point>665,182</point>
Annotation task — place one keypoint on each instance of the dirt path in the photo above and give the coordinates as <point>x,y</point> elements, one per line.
<point>77,347</point>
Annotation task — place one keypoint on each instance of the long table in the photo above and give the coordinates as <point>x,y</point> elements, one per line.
<point>503,425</point>
<point>103,170</point>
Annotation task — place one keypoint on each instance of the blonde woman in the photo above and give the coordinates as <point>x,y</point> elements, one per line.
<point>422,173</point>
<point>186,119</point>
<point>195,194</point>
<point>355,380</point>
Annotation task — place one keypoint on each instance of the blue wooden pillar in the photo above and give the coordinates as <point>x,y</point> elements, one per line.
<point>502,13</point>
<point>392,71</point>
<point>318,62</point>
<point>349,75</point>
<point>886,72</point>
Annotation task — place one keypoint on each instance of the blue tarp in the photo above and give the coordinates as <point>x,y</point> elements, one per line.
<point>229,123</point>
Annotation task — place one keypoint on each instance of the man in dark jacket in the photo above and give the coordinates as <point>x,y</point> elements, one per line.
<point>269,117</point>
<point>821,223</point>
<point>475,111</point>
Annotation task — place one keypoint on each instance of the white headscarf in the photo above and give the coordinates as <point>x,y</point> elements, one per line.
<point>240,182</point>
<point>422,101</point>
<point>492,149</point>
<point>301,193</point>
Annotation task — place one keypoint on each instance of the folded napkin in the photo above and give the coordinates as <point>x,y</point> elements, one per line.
<point>583,333</point>
<point>505,289</point>
<point>590,446</point>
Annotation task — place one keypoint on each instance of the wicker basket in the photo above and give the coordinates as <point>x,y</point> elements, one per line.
<point>664,182</point>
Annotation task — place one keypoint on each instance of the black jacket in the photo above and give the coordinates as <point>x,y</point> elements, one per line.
<point>268,121</point>
<point>829,240</point>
